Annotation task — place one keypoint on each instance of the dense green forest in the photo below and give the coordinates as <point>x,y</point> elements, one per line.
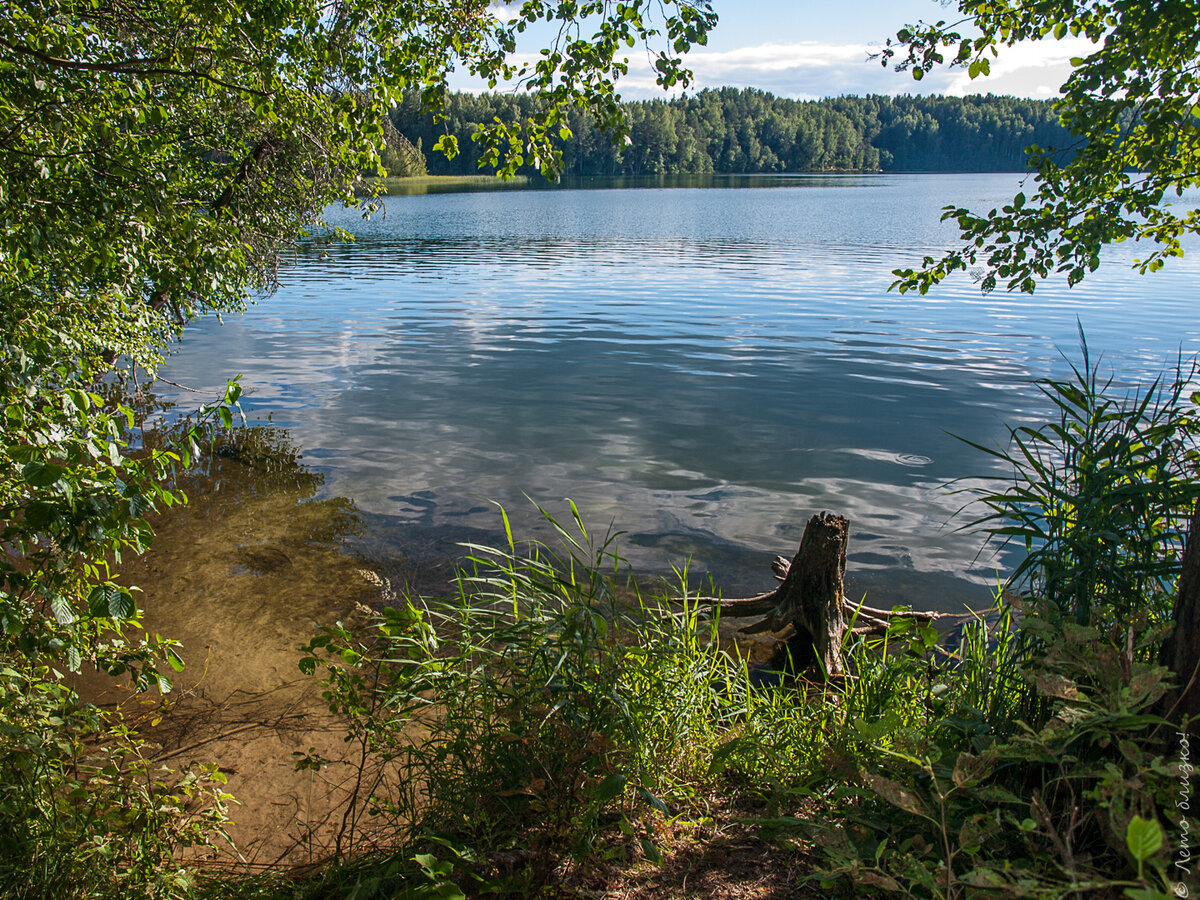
<point>750,131</point>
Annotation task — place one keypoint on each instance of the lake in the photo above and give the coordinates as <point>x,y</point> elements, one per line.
<point>704,367</point>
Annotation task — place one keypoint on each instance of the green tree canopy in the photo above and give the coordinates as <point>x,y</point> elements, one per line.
<point>157,156</point>
<point>743,131</point>
<point>1131,107</point>
<point>156,159</point>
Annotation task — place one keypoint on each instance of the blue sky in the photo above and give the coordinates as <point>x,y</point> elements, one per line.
<point>809,49</point>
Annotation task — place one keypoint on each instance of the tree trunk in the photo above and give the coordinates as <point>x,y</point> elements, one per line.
<point>1181,650</point>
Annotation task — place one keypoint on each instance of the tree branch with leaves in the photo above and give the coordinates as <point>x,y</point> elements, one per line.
<point>1132,106</point>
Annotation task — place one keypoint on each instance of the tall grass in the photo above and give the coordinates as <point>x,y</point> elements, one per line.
<point>1099,496</point>
<point>529,718</point>
<point>551,712</point>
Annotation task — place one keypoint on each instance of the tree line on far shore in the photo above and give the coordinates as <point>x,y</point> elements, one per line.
<point>745,131</point>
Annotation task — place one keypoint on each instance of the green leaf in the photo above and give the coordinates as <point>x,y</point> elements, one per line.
<point>650,851</point>
<point>61,607</point>
<point>39,515</point>
<point>41,474</point>
<point>610,787</point>
<point>653,801</point>
<point>97,601</point>
<point>1143,837</point>
<point>120,604</point>
<point>895,793</point>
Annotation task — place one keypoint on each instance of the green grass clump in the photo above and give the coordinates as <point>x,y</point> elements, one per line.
<point>1100,498</point>
<point>527,720</point>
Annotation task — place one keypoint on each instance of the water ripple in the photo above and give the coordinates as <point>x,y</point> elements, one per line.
<point>703,368</point>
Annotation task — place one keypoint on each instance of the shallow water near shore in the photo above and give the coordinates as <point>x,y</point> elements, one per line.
<point>703,367</point>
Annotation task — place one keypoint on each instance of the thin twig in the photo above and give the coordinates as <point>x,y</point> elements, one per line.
<point>229,734</point>
<point>184,387</point>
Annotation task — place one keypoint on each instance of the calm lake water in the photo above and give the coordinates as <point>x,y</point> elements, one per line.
<point>704,367</point>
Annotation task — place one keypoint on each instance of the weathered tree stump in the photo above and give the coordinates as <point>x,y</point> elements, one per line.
<point>812,591</point>
<point>811,598</point>
<point>1181,650</point>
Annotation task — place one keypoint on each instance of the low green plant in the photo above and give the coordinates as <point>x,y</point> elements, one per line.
<point>549,711</point>
<point>84,812</point>
<point>1028,793</point>
<point>524,722</point>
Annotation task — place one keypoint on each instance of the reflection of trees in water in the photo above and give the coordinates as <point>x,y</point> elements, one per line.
<point>262,461</point>
<point>266,458</point>
<point>268,453</point>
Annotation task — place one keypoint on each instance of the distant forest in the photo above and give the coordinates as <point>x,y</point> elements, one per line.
<point>734,130</point>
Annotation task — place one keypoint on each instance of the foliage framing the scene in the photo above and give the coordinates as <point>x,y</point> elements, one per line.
<point>156,160</point>
<point>1130,106</point>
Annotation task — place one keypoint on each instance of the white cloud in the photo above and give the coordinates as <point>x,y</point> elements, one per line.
<point>1034,69</point>
<point>810,70</point>
<point>777,57</point>
<point>806,70</point>
<point>815,69</point>
<point>503,12</point>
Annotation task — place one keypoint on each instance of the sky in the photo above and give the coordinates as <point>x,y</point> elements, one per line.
<point>809,49</point>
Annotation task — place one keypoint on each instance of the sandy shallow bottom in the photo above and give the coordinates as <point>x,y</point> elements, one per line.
<point>243,577</point>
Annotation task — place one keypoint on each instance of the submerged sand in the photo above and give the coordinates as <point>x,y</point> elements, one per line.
<point>243,577</point>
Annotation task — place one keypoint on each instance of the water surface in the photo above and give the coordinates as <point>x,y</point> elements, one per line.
<point>703,367</point>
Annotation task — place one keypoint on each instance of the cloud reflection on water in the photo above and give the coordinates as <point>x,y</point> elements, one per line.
<point>704,368</point>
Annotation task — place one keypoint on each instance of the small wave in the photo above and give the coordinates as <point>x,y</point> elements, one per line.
<point>912,460</point>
